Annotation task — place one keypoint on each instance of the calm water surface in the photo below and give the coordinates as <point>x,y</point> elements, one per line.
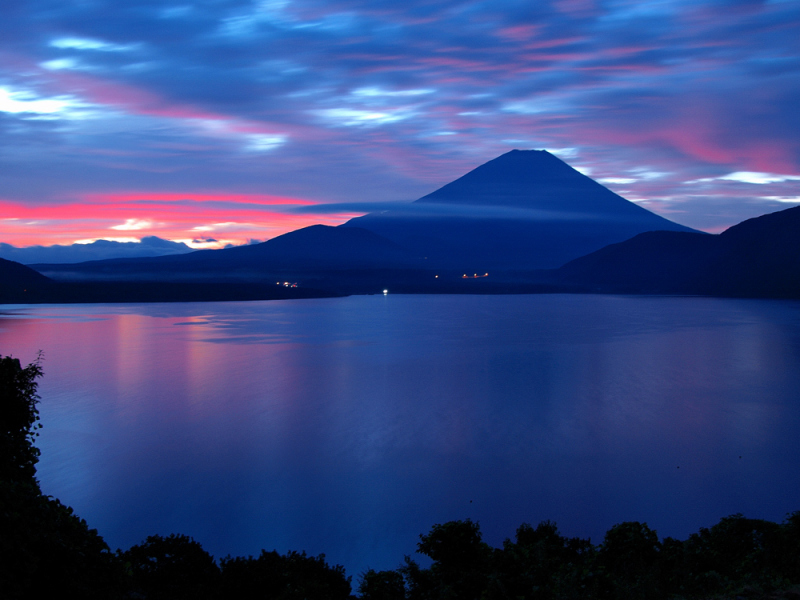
<point>349,426</point>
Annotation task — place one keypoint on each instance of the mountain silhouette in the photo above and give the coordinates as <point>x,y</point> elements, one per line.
<point>759,257</point>
<point>315,253</point>
<point>314,247</point>
<point>19,283</point>
<point>97,250</point>
<point>524,210</point>
<point>513,217</point>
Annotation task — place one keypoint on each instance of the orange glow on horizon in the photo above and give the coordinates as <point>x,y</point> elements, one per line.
<point>176,216</point>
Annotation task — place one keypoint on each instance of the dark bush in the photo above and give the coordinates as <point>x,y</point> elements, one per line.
<point>542,564</point>
<point>789,548</point>
<point>293,576</point>
<point>461,560</point>
<point>736,551</point>
<point>629,556</point>
<point>382,585</point>
<point>46,551</point>
<point>18,419</point>
<point>172,567</point>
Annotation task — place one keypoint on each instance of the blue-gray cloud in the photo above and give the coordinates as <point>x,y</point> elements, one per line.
<point>98,250</point>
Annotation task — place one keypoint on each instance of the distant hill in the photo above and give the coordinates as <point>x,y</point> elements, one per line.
<point>310,248</point>
<point>20,284</point>
<point>524,210</point>
<point>97,250</point>
<point>340,260</point>
<point>759,257</point>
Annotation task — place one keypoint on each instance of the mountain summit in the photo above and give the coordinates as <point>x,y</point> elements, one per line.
<point>524,210</point>
<point>533,179</point>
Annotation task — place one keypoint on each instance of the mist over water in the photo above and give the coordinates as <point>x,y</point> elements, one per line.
<point>349,426</point>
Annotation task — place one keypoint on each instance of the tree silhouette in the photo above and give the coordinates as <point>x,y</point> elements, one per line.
<point>293,576</point>
<point>382,585</point>
<point>461,562</point>
<point>46,551</point>
<point>172,567</point>
<point>18,419</point>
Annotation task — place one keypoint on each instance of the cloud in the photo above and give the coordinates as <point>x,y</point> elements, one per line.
<point>441,209</point>
<point>24,102</point>
<point>758,178</point>
<point>349,117</point>
<point>376,92</point>
<point>134,225</point>
<point>227,226</point>
<point>62,63</point>
<point>749,177</point>
<point>75,43</point>
<point>620,180</point>
<point>259,142</point>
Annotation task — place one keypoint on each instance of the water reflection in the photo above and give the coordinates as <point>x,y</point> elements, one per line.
<point>349,426</point>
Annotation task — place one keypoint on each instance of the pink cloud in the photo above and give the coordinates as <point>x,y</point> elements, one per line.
<point>575,7</point>
<point>518,33</point>
<point>169,215</point>
<point>554,43</point>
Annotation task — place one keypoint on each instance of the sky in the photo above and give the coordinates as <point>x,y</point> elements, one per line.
<point>226,121</point>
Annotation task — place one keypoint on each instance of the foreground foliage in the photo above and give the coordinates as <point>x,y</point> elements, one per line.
<point>47,551</point>
<point>738,557</point>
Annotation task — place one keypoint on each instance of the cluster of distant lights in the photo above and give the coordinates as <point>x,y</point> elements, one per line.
<point>464,276</point>
<point>386,291</point>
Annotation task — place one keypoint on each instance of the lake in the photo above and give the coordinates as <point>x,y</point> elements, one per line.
<point>348,426</point>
